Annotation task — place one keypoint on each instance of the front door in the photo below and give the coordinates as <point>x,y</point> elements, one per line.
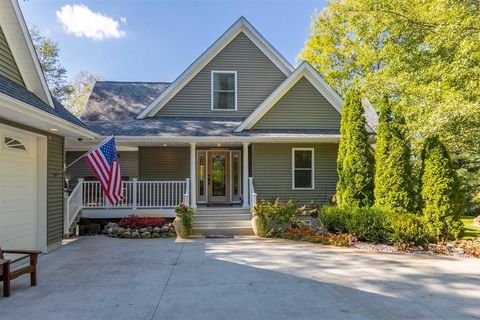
<point>218,177</point>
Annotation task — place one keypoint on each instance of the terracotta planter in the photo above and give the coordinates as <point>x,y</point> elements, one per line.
<point>179,228</point>
<point>257,230</point>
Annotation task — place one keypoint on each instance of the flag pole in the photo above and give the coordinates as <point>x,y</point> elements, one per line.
<point>83,155</point>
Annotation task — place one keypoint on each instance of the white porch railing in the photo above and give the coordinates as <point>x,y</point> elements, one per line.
<point>253,195</point>
<point>136,194</point>
<point>73,205</point>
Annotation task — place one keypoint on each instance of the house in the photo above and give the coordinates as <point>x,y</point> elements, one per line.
<point>32,130</point>
<point>239,124</point>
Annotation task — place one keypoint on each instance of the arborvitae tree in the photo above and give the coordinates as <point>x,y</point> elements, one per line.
<point>342,147</point>
<point>357,166</point>
<point>393,182</point>
<point>442,198</point>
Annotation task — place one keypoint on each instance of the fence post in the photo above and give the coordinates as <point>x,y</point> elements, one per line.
<point>134,193</point>
<point>82,202</point>
<point>186,196</point>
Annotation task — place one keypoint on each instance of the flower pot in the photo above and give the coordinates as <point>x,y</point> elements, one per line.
<point>257,230</point>
<point>180,228</point>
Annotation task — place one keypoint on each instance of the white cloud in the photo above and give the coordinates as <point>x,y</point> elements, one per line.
<point>83,22</point>
<point>123,19</point>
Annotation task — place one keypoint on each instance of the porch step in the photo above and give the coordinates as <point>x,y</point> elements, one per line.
<point>222,221</point>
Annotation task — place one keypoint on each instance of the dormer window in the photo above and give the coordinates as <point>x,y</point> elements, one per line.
<point>224,90</point>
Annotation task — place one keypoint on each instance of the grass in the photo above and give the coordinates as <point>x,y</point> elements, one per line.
<point>471,231</point>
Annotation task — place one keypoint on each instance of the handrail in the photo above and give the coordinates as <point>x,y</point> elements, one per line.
<point>253,195</point>
<point>73,205</point>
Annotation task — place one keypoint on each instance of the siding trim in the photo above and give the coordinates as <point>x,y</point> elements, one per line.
<point>304,70</point>
<point>242,25</point>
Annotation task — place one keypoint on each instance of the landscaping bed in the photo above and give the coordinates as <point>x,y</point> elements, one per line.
<point>134,227</point>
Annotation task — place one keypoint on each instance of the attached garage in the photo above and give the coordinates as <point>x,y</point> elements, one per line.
<point>22,184</point>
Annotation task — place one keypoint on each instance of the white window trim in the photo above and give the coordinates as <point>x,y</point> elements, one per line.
<point>312,150</point>
<point>211,90</point>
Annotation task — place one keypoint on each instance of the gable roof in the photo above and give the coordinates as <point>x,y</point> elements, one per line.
<point>120,101</point>
<point>241,25</point>
<point>304,70</point>
<point>21,46</point>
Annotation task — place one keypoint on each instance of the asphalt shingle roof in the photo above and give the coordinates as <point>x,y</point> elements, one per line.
<point>18,92</point>
<point>120,101</point>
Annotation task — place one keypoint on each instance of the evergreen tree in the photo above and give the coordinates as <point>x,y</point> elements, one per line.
<point>442,198</point>
<point>357,167</point>
<point>342,147</point>
<point>393,183</point>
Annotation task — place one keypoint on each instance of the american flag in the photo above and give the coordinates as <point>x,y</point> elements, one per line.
<point>104,162</point>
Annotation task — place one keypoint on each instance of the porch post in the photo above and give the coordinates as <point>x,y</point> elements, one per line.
<point>245,195</point>
<point>193,175</point>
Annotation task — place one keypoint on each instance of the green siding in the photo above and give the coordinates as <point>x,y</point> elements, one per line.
<point>257,77</point>
<point>272,172</point>
<point>8,66</point>
<point>55,161</point>
<point>164,163</point>
<point>302,107</point>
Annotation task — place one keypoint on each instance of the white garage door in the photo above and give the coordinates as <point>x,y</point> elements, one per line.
<point>18,190</point>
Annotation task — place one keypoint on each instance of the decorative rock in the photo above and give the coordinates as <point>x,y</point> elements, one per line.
<point>157,230</point>
<point>143,230</point>
<point>128,230</point>
<point>110,230</point>
<point>149,229</point>
<point>165,228</point>
<point>135,235</point>
<point>146,235</point>
<point>155,235</point>
<point>126,235</point>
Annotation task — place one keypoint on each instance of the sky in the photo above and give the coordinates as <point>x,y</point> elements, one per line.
<point>157,40</point>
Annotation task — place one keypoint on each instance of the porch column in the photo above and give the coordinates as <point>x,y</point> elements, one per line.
<point>245,195</point>
<point>193,175</point>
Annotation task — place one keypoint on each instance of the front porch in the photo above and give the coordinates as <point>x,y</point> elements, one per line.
<point>213,176</point>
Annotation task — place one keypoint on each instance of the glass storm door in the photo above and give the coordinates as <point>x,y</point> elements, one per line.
<point>219,177</point>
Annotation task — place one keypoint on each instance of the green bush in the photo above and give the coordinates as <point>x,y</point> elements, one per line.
<point>186,213</point>
<point>409,229</point>
<point>442,197</point>
<point>275,213</point>
<point>334,218</point>
<point>369,224</point>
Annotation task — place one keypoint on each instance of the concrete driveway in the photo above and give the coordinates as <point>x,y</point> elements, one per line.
<point>103,278</point>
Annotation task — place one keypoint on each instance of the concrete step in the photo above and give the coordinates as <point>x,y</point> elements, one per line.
<point>221,211</point>
<point>223,231</point>
<point>224,217</point>
<point>221,224</point>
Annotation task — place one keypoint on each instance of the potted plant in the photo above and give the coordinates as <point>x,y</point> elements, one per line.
<point>183,222</point>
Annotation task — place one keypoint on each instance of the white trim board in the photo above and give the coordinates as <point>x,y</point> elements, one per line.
<point>312,150</point>
<point>241,25</point>
<point>304,70</point>
<point>212,75</point>
<point>20,43</point>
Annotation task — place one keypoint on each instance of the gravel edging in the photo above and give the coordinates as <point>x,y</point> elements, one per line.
<point>417,250</point>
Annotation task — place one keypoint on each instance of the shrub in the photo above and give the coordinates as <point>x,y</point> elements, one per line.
<point>355,163</point>
<point>275,213</point>
<point>334,218</point>
<point>393,187</point>
<point>186,213</point>
<point>302,234</point>
<point>136,222</point>
<point>409,229</point>
<point>369,224</point>
<point>442,198</point>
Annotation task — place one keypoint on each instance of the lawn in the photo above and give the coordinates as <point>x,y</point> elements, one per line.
<point>471,231</point>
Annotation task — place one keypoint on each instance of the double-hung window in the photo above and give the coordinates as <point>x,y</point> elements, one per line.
<point>302,168</point>
<point>224,90</point>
